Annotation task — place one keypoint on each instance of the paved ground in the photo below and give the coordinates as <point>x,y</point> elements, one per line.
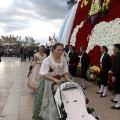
<point>16,100</point>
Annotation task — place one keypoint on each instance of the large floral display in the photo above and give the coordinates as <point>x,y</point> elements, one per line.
<point>101,26</point>
<point>92,23</point>
<point>96,23</point>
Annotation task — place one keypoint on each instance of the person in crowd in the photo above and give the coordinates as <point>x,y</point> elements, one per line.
<point>116,78</point>
<point>105,66</point>
<point>32,54</point>
<point>69,52</point>
<point>34,78</point>
<point>29,53</point>
<point>25,54</point>
<point>85,61</point>
<point>0,54</point>
<point>66,49</point>
<point>52,70</point>
<point>47,51</point>
<point>21,54</point>
<point>73,63</point>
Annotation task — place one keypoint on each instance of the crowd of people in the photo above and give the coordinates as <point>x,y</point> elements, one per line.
<point>24,53</point>
<point>61,64</point>
<point>56,64</point>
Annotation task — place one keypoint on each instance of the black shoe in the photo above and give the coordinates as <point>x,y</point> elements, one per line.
<point>113,101</point>
<point>99,92</point>
<point>115,108</point>
<point>84,88</point>
<point>103,96</point>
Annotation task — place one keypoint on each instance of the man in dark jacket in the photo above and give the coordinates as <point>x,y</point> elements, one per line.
<point>29,54</point>
<point>116,70</point>
<point>85,61</point>
<point>47,51</point>
<point>69,52</point>
<point>73,63</point>
<point>105,66</point>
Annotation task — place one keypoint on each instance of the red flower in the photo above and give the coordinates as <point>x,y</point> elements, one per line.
<point>110,75</point>
<point>112,58</point>
<point>95,73</point>
<point>94,55</point>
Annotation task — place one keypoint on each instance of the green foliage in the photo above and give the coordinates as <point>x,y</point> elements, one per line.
<point>34,47</point>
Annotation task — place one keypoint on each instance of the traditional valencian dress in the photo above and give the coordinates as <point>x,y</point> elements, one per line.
<point>34,77</point>
<point>44,106</point>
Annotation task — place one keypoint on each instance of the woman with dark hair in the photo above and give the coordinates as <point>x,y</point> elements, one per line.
<point>73,63</point>
<point>52,69</point>
<point>34,78</point>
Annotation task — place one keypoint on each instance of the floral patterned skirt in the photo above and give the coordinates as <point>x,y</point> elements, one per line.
<point>44,106</point>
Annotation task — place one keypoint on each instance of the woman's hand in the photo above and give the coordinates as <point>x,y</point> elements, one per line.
<point>58,82</point>
<point>113,79</point>
<point>38,59</point>
<point>69,80</point>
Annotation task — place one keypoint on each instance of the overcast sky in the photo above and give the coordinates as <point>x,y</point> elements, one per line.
<point>36,18</point>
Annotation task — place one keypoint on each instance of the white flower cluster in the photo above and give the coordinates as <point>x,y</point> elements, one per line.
<point>105,34</point>
<point>75,31</point>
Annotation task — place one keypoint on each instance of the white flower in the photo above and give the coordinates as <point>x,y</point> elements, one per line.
<point>75,31</point>
<point>105,33</point>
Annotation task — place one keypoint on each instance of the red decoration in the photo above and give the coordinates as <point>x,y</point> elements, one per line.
<point>95,73</point>
<point>111,84</point>
<point>94,55</point>
<point>85,31</point>
<point>112,58</point>
<point>51,70</point>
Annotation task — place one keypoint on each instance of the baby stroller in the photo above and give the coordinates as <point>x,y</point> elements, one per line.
<point>72,103</point>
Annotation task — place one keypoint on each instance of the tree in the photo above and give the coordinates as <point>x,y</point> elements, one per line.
<point>53,39</point>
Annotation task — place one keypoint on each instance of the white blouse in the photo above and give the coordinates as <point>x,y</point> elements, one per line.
<point>41,58</point>
<point>58,69</point>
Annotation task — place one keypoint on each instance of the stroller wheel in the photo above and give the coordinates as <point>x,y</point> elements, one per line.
<point>87,101</point>
<point>89,110</point>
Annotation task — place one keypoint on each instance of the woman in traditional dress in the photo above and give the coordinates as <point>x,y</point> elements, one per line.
<point>52,69</point>
<point>34,77</point>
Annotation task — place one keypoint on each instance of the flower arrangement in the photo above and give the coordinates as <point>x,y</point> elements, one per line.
<point>79,70</point>
<point>93,72</point>
<point>79,65</point>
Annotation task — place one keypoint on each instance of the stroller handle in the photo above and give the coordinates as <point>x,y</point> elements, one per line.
<point>53,84</point>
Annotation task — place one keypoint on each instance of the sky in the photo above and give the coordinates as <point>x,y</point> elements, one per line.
<point>35,18</point>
